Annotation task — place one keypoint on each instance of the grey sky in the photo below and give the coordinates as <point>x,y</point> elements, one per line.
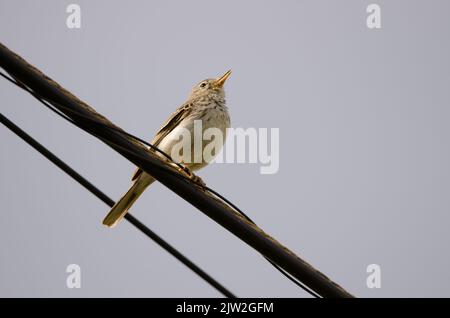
<point>364,145</point>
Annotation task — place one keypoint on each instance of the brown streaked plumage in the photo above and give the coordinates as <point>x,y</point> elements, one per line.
<point>207,103</point>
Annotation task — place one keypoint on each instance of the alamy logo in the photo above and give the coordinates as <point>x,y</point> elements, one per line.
<point>249,145</point>
<point>374,279</point>
<point>373,21</point>
<point>74,18</point>
<point>74,278</point>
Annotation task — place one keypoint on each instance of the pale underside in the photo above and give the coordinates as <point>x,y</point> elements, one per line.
<point>183,118</point>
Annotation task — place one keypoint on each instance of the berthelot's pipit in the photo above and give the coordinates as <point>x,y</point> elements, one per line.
<point>206,103</point>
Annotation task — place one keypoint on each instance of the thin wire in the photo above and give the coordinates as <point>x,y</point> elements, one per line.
<point>48,104</point>
<point>64,116</point>
<point>108,201</point>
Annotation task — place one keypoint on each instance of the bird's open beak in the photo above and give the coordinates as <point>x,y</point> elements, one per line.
<point>221,80</point>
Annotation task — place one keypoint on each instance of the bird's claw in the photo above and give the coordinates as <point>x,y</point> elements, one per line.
<point>188,173</point>
<point>197,180</point>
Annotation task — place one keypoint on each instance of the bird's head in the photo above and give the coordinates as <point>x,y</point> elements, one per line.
<point>210,87</point>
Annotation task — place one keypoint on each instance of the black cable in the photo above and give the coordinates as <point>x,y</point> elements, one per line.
<point>102,196</point>
<point>48,104</point>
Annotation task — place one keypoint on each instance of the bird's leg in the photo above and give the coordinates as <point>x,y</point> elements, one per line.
<point>187,172</point>
<point>197,180</point>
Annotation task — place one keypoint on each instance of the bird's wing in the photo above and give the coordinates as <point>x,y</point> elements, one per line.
<point>173,121</point>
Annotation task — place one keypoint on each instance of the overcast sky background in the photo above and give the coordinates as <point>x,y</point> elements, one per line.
<point>364,145</point>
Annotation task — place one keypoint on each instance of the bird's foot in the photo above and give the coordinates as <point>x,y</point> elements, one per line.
<point>197,180</point>
<point>189,174</point>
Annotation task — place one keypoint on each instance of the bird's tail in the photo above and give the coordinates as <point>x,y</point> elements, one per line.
<point>122,206</point>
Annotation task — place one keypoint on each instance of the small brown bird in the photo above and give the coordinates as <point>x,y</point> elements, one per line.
<point>206,103</point>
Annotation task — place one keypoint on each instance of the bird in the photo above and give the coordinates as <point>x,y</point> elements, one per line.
<point>206,103</point>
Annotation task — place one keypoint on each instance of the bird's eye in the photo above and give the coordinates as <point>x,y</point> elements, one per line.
<point>203,84</point>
